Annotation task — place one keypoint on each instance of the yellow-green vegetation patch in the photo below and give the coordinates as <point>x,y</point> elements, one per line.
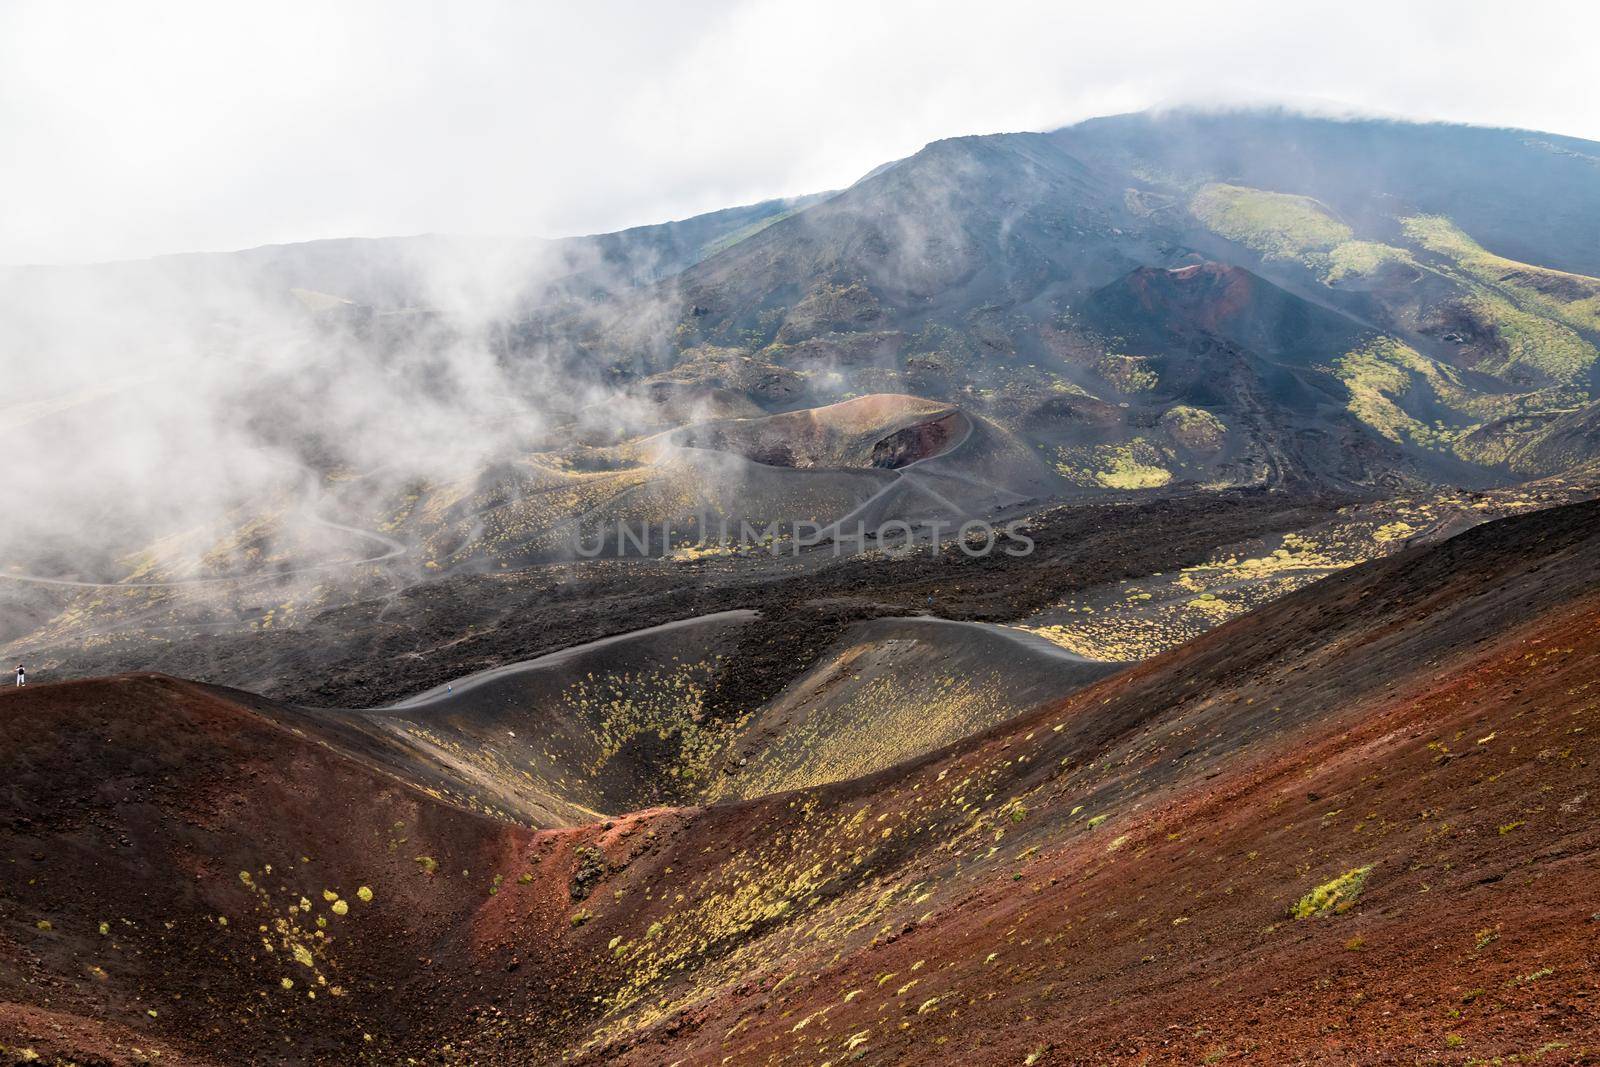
<point>1130,374</point>
<point>1534,341</point>
<point>1278,225</point>
<point>1354,259</point>
<point>1380,374</point>
<point>288,935</point>
<point>1522,440</point>
<point>667,703</point>
<point>1487,428</point>
<point>1572,298</point>
<point>1336,897</point>
<point>1144,617</point>
<point>1524,979</point>
<point>1209,604</point>
<point>1194,428</point>
<point>1131,466</point>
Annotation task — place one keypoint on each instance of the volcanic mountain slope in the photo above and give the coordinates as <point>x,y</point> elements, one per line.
<point>1155,305</point>
<point>1459,171</point>
<point>1416,304</point>
<point>1146,300</point>
<point>1450,276</point>
<point>1352,825</point>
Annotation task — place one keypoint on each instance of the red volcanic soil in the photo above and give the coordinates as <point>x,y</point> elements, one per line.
<point>157,837</point>
<point>1108,879</point>
<point>1205,294</point>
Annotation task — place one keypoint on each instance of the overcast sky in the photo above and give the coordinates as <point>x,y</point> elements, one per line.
<point>131,129</point>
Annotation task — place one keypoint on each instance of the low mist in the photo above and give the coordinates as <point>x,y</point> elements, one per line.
<point>181,397</point>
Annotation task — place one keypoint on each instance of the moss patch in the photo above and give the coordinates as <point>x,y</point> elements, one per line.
<point>1131,466</point>
<point>1335,897</point>
<point>1572,298</point>
<point>1278,225</point>
<point>1382,374</point>
<point>1194,428</point>
<point>1355,259</point>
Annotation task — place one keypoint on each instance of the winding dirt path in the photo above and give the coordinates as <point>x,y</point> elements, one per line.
<point>1033,643</point>
<point>552,659</point>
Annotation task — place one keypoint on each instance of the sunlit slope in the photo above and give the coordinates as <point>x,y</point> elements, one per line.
<point>893,690</point>
<point>572,737</point>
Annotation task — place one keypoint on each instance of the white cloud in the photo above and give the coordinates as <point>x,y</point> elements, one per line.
<point>130,130</point>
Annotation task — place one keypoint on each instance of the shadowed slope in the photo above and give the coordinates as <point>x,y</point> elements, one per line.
<point>572,737</point>
<point>630,722</point>
<point>168,854</point>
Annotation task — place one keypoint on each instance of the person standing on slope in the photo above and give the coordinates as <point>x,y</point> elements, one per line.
<point>22,678</point>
